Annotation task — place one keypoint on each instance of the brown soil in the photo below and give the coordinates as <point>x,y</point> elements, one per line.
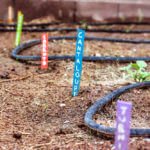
<point>32,115</point>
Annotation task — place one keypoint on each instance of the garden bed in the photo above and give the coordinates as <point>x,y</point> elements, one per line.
<point>37,109</point>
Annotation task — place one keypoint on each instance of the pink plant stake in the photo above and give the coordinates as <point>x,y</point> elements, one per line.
<point>122,132</point>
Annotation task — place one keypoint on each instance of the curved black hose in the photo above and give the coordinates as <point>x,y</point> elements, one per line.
<point>16,51</point>
<point>75,29</point>
<point>107,99</point>
<point>74,23</point>
<point>43,29</point>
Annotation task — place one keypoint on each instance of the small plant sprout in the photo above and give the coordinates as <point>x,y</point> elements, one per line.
<point>105,26</point>
<point>127,30</point>
<point>137,71</point>
<point>84,24</point>
<point>122,18</point>
<point>140,15</point>
<point>90,132</point>
<point>44,107</point>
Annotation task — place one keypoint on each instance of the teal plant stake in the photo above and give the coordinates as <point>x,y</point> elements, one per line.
<point>78,62</point>
<point>19,29</point>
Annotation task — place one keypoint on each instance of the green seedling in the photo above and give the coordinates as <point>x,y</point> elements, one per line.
<point>127,30</point>
<point>90,132</point>
<point>105,27</point>
<point>137,71</point>
<point>84,24</point>
<point>140,15</point>
<point>44,107</point>
<point>122,18</point>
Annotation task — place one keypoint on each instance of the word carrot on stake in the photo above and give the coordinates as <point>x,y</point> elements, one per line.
<point>78,62</point>
<point>19,29</point>
<point>44,53</point>
<point>122,132</point>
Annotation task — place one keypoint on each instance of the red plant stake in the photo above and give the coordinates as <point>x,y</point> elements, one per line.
<point>44,52</point>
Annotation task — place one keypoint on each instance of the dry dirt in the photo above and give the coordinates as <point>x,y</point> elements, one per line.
<point>37,110</point>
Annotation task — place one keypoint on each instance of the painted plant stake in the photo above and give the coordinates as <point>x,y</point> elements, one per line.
<point>78,62</point>
<point>19,12</point>
<point>44,52</point>
<point>19,29</point>
<point>10,14</point>
<point>122,132</point>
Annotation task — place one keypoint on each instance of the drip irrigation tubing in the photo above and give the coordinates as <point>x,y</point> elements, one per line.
<point>74,23</point>
<point>108,131</point>
<point>43,29</point>
<point>16,51</point>
<point>75,29</point>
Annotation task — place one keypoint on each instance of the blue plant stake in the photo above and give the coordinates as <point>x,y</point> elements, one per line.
<point>78,62</point>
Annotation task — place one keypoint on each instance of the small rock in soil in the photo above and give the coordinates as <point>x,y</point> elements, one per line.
<point>62,105</point>
<point>65,130</point>
<point>67,121</point>
<point>4,76</point>
<point>17,136</point>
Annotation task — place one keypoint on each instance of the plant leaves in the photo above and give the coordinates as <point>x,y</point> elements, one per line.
<point>125,76</point>
<point>135,66</point>
<point>141,63</point>
<point>125,68</point>
<point>138,75</point>
<point>146,76</point>
<point>127,30</point>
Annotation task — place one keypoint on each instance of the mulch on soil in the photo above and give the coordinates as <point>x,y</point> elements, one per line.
<point>37,109</point>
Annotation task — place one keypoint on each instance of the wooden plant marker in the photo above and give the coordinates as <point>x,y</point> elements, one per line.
<point>10,14</point>
<point>78,62</point>
<point>122,132</point>
<point>44,52</point>
<point>19,12</point>
<point>19,29</point>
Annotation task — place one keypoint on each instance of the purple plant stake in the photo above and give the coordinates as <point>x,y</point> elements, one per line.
<point>122,132</point>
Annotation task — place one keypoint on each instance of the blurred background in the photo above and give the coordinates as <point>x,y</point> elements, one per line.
<point>77,10</point>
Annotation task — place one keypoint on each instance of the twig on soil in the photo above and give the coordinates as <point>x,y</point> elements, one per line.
<point>118,82</point>
<point>16,79</point>
<point>39,145</point>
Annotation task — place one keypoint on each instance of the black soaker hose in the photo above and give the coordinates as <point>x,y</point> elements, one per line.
<point>74,23</point>
<point>16,51</point>
<point>43,29</point>
<point>108,98</point>
<point>75,29</point>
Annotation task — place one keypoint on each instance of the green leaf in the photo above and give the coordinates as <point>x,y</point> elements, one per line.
<point>105,27</point>
<point>125,68</point>
<point>125,76</point>
<point>140,15</point>
<point>127,30</point>
<point>141,63</point>
<point>135,66</point>
<point>147,79</point>
<point>137,75</point>
<point>146,75</point>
